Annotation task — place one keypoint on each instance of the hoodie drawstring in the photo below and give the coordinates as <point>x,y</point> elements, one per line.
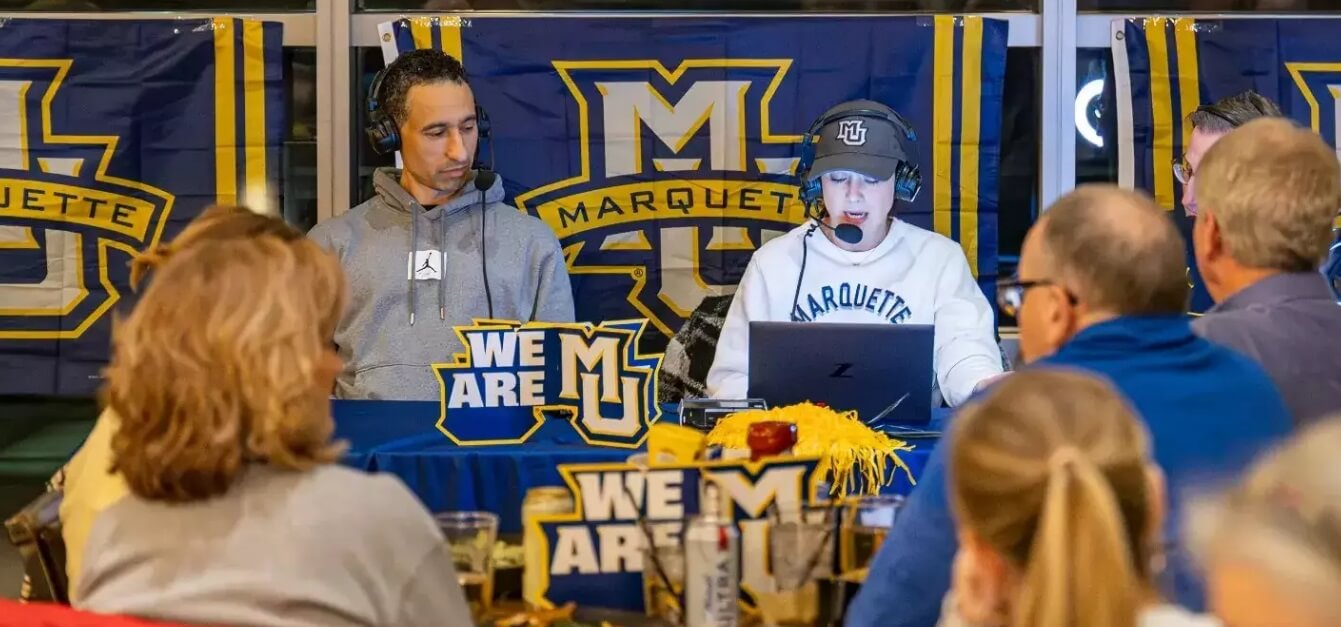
<point>484,256</point>
<point>442,278</point>
<point>441,248</point>
<point>414,242</point>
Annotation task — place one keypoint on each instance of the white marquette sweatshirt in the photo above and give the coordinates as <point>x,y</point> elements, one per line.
<point>914,276</point>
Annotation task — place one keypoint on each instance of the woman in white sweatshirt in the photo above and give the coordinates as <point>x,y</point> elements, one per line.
<point>858,263</point>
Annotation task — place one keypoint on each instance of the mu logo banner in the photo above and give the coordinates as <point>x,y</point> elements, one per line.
<point>113,134</point>
<point>1165,68</point>
<point>510,376</point>
<point>660,150</point>
<point>594,554</point>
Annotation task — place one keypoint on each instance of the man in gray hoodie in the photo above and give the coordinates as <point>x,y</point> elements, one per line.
<point>436,238</point>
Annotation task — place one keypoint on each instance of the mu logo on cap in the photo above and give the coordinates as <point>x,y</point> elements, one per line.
<point>852,132</point>
<point>61,212</point>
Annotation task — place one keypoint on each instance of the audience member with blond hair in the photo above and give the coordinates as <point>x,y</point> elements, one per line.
<point>1272,545</point>
<point>1101,288</point>
<point>1269,192</point>
<point>1059,508</point>
<point>89,484</point>
<point>221,379</point>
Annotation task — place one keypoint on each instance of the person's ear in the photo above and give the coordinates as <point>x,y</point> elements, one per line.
<point>981,580</point>
<point>1214,237</point>
<point>1060,313</point>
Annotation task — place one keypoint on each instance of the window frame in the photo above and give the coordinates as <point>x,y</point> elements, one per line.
<point>336,30</point>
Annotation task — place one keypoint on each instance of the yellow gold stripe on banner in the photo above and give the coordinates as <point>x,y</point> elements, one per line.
<point>1189,96</point>
<point>1161,101</point>
<point>225,112</point>
<point>942,127</point>
<point>969,119</point>
<point>253,113</point>
<point>451,38</point>
<point>421,29</point>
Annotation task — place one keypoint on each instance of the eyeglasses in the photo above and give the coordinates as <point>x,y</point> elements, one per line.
<point>1010,293</point>
<point>1182,170</point>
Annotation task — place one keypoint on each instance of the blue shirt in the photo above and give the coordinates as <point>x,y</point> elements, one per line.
<point>1291,325</point>
<point>1209,411</point>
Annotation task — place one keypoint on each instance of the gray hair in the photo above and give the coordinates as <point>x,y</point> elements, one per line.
<point>1116,251</point>
<point>1284,519</point>
<point>1274,188</point>
<point>1229,113</point>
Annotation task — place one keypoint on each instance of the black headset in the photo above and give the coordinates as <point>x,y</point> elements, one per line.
<point>384,134</point>
<point>907,175</point>
<point>385,138</point>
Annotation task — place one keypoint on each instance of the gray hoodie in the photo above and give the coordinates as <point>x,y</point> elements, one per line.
<point>394,327</point>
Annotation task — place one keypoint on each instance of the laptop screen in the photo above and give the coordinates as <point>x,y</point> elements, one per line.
<point>870,368</point>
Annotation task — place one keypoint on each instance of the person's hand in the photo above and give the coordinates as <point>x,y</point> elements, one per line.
<point>986,383</point>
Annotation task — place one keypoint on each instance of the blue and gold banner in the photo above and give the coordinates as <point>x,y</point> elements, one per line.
<point>594,555</point>
<point>1166,67</point>
<point>512,376</point>
<point>113,135</point>
<point>661,150</point>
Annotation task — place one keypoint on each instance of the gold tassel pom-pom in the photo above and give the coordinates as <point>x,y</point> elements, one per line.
<point>843,443</point>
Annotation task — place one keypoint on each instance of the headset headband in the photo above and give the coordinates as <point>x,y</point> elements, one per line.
<point>907,175</point>
<point>385,135</point>
<point>890,116</point>
<point>374,99</point>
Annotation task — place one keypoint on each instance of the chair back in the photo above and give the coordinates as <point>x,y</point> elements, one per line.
<point>36,532</point>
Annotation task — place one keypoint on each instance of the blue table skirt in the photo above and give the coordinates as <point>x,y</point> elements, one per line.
<point>401,438</point>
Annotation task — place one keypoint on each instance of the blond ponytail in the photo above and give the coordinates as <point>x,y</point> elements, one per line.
<point>1080,570</point>
<point>1050,470</point>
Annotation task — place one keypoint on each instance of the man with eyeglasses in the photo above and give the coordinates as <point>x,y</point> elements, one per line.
<point>1100,289</point>
<point>1210,123</point>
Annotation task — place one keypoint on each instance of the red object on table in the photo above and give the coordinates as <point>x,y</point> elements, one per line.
<point>14,614</point>
<point>770,439</point>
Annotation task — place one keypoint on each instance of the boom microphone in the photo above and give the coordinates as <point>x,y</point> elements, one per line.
<point>484,179</point>
<point>849,233</point>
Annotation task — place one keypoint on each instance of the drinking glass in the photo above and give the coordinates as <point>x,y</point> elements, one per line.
<point>663,582</point>
<point>471,536</point>
<point>800,552</point>
<point>866,523</point>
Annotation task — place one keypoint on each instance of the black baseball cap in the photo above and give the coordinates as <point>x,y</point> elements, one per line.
<point>855,137</point>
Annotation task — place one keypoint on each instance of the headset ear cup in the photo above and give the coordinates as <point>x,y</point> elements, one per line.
<point>383,134</point>
<point>809,190</point>
<point>381,129</point>
<point>482,123</point>
<point>907,182</point>
<point>483,140</point>
<point>391,135</point>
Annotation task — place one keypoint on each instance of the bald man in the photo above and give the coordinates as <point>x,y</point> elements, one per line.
<point>1101,289</point>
